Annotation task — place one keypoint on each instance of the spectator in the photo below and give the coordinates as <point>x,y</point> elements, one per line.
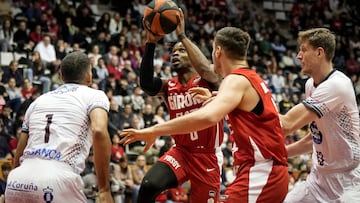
<point>15,97</point>
<point>95,52</point>
<point>67,31</point>
<point>22,39</point>
<point>352,65</point>
<point>138,172</point>
<point>7,36</point>
<point>5,170</point>
<point>160,114</point>
<point>115,68</point>
<point>37,72</point>
<point>113,52</point>
<point>36,35</point>
<point>61,49</point>
<point>123,173</point>
<point>47,53</point>
<point>103,24</point>
<point>278,82</point>
<point>13,72</point>
<point>101,70</point>
<point>117,150</point>
<point>27,89</point>
<point>149,116</point>
<point>84,20</point>
<point>137,100</point>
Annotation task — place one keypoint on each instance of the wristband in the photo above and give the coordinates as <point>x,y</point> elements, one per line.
<point>181,36</point>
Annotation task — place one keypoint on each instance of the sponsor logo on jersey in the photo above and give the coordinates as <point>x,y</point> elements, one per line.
<point>181,101</point>
<point>25,187</point>
<point>48,194</point>
<point>210,169</point>
<point>172,161</point>
<point>171,83</point>
<point>44,153</point>
<point>316,134</point>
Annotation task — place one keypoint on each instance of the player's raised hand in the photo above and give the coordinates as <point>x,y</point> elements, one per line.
<point>180,29</point>
<point>133,135</point>
<point>150,36</point>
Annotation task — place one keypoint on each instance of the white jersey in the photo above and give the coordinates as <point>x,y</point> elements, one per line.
<point>58,124</point>
<point>335,133</point>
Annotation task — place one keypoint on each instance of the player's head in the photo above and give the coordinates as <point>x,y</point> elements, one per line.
<point>234,41</point>
<point>75,68</point>
<point>179,57</point>
<point>319,38</point>
<point>230,43</point>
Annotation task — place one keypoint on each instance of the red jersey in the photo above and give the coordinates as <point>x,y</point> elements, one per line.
<point>180,102</point>
<point>257,137</point>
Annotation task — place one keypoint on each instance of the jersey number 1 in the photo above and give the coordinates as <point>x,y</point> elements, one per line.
<point>47,128</point>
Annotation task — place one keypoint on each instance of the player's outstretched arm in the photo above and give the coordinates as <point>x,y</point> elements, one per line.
<point>302,146</point>
<point>199,61</point>
<point>229,97</point>
<point>20,148</point>
<point>150,84</point>
<point>296,118</point>
<point>102,153</point>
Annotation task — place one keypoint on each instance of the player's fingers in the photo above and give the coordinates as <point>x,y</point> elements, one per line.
<point>129,139</point>
<point>196,90</point>
<point>147,147</point>
<point>200,97</point>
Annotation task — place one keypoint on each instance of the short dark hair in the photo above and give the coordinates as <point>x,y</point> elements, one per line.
<point>234,41</point>
<point>74,67</point>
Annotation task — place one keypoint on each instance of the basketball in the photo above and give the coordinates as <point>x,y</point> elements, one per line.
<point>161,16</point>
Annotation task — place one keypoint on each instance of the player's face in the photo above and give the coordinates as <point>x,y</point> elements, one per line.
<point>308,56</point>
<point>215,58</point>
<point>179,57</point>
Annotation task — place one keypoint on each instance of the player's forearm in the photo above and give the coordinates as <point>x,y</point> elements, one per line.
<point>185,124</point>
<point>199,61</point>
<point>20,148</point>
<point>102,153</point>
<point>302,146</point>
<point>148,83</point>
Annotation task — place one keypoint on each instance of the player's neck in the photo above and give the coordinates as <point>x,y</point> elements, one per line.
<point>184,77</point>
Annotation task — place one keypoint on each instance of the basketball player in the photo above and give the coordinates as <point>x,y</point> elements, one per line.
<point>331,110</point>
<point>58,130</point>
<point>259,152</point>
<point>197,155</point>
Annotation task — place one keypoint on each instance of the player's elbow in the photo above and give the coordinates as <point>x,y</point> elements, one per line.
<point>97,132</point>
<point>150,88</point>
<point>211,118</point>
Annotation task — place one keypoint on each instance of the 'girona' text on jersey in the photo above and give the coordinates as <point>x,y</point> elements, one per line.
<point>179,101</point>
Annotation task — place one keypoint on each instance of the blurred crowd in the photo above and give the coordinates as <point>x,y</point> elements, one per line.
<point>111,33</point>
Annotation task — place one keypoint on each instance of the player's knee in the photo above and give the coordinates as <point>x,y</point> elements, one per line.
<point>149,184</point>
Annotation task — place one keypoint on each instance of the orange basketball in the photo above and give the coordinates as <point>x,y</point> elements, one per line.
<point>161,16</point>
